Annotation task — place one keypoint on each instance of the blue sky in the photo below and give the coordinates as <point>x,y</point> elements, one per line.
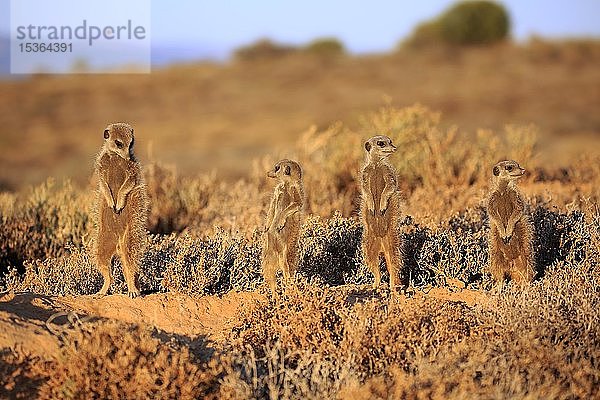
<point>364,26</point>
<point>217,27</point>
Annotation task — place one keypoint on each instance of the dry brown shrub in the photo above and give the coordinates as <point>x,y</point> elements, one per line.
<point>111,360</point>
<point>351,333</point>
<point>432,161</point>
<point>21,375</point>
<point>538,342</point>
<point>38,224</point>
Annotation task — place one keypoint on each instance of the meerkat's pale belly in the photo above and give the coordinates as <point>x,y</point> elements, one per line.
<point>505,206</point>
<point>117,174</point>
<point>378,223</point>
<point>377,184</point>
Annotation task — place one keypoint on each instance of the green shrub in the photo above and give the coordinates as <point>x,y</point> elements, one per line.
<point>425,34</point>
<point>465,23</point>
<point>262,49</point>
<point>325,47</point>
<point>475,22</point>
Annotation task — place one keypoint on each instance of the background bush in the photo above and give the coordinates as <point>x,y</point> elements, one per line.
<point>262,49</point>
<point>325,47</point>
<point>465,23</point>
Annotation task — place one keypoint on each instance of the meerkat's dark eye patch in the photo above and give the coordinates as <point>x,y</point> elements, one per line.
<point>277,168</point>
<point>509,168</point>
<point>380,143</point>
<point>367,146</point>
<point>119,144</point>
<point>496,171</point>
<point>288,170</point>
<point>106,134</point>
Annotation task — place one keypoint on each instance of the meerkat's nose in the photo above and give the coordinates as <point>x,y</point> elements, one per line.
<point>271,174</point>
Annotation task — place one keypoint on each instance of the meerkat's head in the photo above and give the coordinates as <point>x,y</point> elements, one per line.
<point>118,138</point>
<point>508,170</point>
<point>286,170</point>
<point>379,147</point>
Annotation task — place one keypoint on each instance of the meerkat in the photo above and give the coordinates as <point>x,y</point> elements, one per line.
<point>511,232</point>
<point>283,223</point>
<point>380,209</point>
<point>122,207</point>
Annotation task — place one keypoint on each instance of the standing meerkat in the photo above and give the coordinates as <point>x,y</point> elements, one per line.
<point>122,207</point>
<point>284,220</point>
<point>380,209</point>
<point>511,233</point>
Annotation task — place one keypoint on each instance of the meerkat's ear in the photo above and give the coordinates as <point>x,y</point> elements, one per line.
<point>106,134</point>
<point>288,170</point>
<point>367,146</point>
<point>496,170</point>
<point>131,148</point>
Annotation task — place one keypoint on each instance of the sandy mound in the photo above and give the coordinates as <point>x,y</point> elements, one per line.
<point>170,312</point>
<point>31,323</point>
<point>467,296</point>
<point>24,316</point>
<point>23,323</point>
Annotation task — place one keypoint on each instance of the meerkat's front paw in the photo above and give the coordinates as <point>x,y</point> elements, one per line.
<point>133,293</point>
<point>507,236</point>
<point>383,204</point>
<point>509,233</point>
<point>371,207</point>
<point>119,206</point>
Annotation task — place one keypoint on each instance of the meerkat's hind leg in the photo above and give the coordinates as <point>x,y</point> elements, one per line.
<point>498,262</point>
<point>270,261</point>
<point>285,266</point>
<point>103,259</point>
<point>521,272</point>
<point>270,275</point>
<point>132,277</point>
<point>522,266</point>
<point>371,249</point>
<point>269,270</point>
<point>392,259</point>
<point>497,270</point>
<point>290,262</point>
<point>105,249</point>
<point>107,277</point>
<point>128,251</point>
